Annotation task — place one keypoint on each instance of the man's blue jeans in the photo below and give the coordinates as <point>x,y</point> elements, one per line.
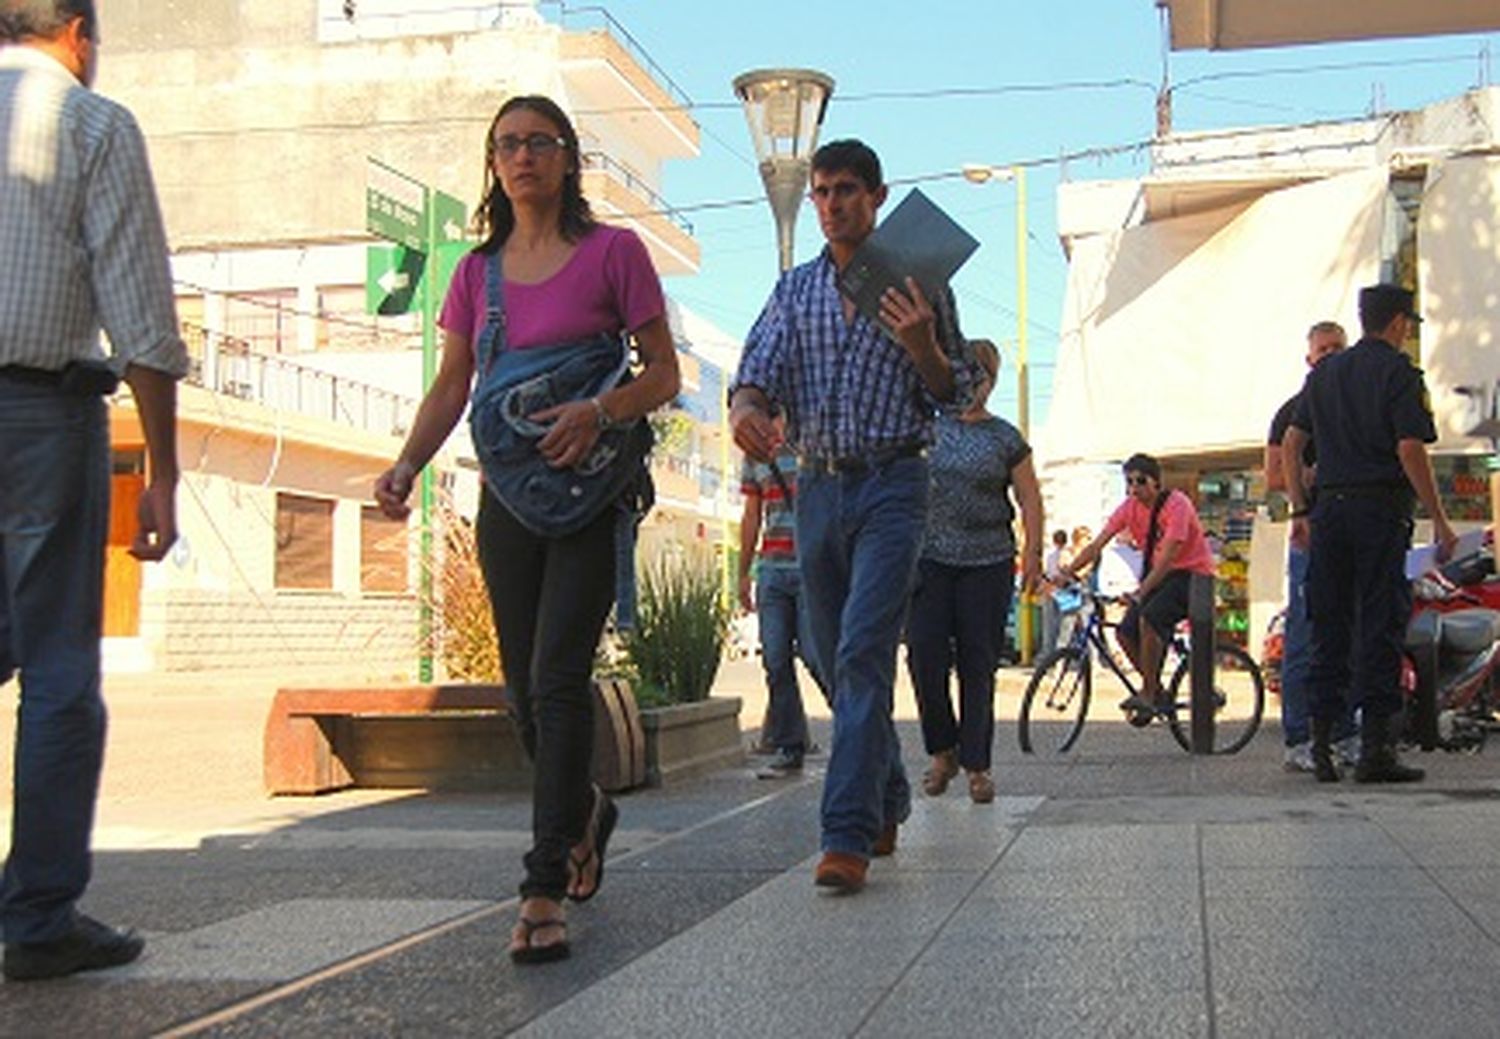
<point>1296,659</point>
<point>858,535</point>
<point>54,518</point>
<point>785,631</point>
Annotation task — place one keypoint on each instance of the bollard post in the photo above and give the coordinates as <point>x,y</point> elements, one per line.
<point>1201,624</point>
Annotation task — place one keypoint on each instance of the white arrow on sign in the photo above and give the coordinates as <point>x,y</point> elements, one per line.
<point>452,231</point>
<point>392,282</point>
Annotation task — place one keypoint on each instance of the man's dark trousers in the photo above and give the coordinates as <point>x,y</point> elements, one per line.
<point>1357,589</point>
<point>54,518</point>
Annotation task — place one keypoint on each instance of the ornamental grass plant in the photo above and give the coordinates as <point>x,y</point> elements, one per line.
<point>462,638</point>
<point>682,624</point>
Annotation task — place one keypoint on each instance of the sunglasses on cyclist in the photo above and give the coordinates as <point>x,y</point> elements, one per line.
<point>1137,480</point>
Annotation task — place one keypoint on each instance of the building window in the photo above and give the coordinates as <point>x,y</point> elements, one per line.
<point>304,542</point>
<point>382,552</point>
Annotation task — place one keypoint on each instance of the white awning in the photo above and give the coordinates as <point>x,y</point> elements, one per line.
<point>1458,242</point>
<point>1184,336</point>
<point>1232,24</point>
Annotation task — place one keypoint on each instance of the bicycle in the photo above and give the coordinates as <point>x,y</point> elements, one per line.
<point>1062,686</point>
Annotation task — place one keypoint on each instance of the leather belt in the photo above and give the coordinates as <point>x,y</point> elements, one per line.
<point>30,376</point>
<point>861,463</point>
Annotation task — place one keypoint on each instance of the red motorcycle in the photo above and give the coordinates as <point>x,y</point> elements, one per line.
<point>1452,653</point>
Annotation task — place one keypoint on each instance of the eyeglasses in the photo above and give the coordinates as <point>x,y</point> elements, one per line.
<point>1136,479</point>
<point>844,189</point>
<point>541,145</point>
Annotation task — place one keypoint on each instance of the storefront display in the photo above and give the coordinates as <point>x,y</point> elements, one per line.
<point>1226,506</point>
<point>1463,482</point>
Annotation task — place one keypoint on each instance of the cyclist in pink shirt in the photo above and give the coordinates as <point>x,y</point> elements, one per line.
<point>1165,525</point>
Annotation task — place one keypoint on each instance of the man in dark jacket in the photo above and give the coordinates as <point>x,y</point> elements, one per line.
<point>1367,409</point>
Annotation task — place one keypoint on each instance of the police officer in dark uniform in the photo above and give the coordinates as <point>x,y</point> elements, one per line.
<point>1367,408</point>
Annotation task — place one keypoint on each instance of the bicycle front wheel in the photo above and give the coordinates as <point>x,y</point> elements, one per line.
<point>1239,700</point>
<point>1056,702</point>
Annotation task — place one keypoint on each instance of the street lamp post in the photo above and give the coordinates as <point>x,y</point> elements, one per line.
<point>976,174</point>
<point>785,109</point>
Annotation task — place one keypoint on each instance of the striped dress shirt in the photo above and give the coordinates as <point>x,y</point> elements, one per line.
<point>82,245</point>
<point>847,388</point>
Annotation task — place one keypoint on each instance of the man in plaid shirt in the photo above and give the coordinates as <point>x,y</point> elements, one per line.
<point>82,246</point>
<point>859,401</point>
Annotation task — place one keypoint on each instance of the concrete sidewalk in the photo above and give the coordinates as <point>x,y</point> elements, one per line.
<point>1126,890</point>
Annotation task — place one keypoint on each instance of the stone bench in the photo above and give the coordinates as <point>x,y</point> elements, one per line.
<point>435,737</point>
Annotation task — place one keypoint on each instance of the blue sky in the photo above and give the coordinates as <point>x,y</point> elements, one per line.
<point>961,54</point>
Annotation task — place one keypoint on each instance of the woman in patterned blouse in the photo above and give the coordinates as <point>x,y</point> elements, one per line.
<point>966,578</point>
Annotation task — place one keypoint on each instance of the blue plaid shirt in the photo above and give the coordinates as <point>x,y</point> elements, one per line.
<point>847,389</point>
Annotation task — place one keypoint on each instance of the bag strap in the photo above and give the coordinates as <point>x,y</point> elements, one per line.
<point>492,339</point>
<point>1153,534</point>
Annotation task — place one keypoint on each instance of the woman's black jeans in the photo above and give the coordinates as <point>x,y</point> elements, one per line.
<point>550,598</point>
<point>957,622</point>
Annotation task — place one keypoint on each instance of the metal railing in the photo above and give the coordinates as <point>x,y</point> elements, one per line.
<point>231,367</point>
<point>597,17</point>
<point>614,168</point>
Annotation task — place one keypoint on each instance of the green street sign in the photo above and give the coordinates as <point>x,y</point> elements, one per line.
<point>449,217</point>
<point>448,255</point>
<point>395,206</point>
<point>393,276</point>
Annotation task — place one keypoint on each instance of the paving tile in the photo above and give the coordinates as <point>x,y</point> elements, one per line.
<point>991,912</point>
<point>1396,1009</point>
<point>1320,882</point>
<point>287,939</point>
<point>1122,964</point>
<point>712,1011</point>
<point>1274,944</point>
<point>1020,1006</point>
<point>1300,844</point>
<point>1177,885</point>
<point>1094,847</point>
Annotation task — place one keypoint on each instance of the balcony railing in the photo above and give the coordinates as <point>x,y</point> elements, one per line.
<point>591,16</point>
<point>617,170</point>
<point>230,367</point>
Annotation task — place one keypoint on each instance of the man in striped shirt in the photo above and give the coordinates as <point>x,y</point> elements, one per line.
<point>768,542</point>
<point>82,246</point>
<point>859,403</point>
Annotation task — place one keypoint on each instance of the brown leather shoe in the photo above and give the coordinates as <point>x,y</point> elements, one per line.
<point>841,872</point>
<point>885,844</point>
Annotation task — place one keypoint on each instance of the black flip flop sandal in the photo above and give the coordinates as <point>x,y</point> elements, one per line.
<point>604,827</point>
<point>529,953</point>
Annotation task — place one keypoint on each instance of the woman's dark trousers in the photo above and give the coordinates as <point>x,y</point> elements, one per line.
<point>550,598</point>
<point>957,621</point>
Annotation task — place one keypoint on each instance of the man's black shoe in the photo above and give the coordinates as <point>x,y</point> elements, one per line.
<point>1383,766</point>
<point>90,945</point>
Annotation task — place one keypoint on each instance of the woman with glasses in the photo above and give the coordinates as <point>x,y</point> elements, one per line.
<point>965,580</point>
<point>563,278</point>
<point>1165,525</point>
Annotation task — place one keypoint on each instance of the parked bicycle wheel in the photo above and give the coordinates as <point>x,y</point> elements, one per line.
<point>1056,702</point>
<point>1239,695</point>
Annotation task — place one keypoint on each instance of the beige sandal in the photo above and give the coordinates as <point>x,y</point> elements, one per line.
<point>942,770</point>
<point>981,788</point>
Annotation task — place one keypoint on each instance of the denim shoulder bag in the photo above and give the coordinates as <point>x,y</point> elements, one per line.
<point>512,385</point>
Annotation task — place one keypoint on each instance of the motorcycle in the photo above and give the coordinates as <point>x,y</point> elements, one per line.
<point>1452,653</point>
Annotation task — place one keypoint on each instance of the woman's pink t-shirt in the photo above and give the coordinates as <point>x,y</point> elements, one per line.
<point>1178,521</point>
<point>608,285</point>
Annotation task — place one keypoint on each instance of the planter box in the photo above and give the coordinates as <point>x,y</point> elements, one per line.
<point>687,740</point>
<point>433,737</point>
